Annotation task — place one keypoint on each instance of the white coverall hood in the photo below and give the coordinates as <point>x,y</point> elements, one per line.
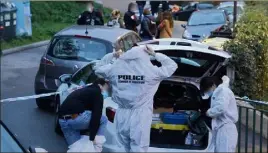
<point>134,82</point>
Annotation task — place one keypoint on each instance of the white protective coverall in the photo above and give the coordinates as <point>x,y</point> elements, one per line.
<point>134,83</point>
<point>224,114</point>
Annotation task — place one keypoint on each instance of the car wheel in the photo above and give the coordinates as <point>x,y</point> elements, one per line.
<point>57,125</point>
<point>43,104</point>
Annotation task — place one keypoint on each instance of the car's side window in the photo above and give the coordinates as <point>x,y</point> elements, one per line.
<point>84,76</point>
<point>135,38</point>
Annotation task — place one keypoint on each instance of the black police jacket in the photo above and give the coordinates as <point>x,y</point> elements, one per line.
<point>131,21</point>
<point>90,18</point>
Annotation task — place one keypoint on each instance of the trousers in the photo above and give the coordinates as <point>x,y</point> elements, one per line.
<point>224,139</point>
<point>71,128</point>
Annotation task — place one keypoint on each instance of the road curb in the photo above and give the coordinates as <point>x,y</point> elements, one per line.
<point>25,47</point>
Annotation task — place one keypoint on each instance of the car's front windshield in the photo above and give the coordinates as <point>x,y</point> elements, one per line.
<point>8,144</point>
<point>206,18</point>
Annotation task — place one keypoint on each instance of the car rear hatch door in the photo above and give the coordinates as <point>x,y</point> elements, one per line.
<point>67,54</point>
<point>194,63</point>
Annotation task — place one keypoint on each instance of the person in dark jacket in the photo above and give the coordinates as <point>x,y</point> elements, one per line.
<point>141,5</point>
<point>91,16</point>
<point>148,26</point>
<point>165,6</point>
<point>130,19</point>
<point>154,6</point>
<point>82,110</point>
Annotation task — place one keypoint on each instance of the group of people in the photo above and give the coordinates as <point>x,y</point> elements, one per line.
<point>150,26</point>
<point>134,81</point>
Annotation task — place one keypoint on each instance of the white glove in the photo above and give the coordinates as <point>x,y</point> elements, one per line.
<point>118,53</point>
<point>226,80</point>
<point>149,50</point>
<point>98,143</point>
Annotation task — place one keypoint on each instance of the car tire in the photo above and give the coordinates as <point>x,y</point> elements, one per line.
<point>57,125</point>
<point>43,104</point>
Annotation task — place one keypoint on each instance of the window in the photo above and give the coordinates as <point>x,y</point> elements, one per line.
<point>206,18</point>
<point>85,76</point>
<point>8,144</point>
<point>81,49</point>
<point>121,45</point>
<point>135,38</point>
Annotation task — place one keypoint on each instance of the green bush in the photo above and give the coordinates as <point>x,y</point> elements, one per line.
<point>250,53</point>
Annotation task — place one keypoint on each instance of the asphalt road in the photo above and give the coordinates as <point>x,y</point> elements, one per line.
<point>32,126</point>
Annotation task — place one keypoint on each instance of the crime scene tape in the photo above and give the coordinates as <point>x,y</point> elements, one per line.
<point>42,95</point>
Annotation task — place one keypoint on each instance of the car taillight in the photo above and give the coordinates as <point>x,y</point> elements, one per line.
<point>110,113</point>
<point>47,61</point>
<point>1,27</point>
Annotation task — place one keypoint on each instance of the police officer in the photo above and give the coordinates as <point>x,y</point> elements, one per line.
<point>91,16</point>
<point>130,19</point>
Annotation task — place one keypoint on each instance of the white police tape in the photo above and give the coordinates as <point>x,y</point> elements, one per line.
<point>42,95</point>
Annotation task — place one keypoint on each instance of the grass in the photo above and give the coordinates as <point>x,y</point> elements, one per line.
<point>48,18</point>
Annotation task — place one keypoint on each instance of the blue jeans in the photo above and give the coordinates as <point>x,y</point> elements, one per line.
<point>71,128</point>
<point>140,11</point>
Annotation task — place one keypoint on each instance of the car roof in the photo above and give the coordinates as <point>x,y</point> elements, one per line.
<point>190,48</point>
<point>110,34</point>
<point>209,11</point>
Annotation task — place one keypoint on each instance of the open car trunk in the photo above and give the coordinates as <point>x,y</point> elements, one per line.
<point>182,98</point>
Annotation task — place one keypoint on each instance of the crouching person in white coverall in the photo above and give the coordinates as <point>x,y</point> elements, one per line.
<point>134,82</point>
<point>224,114</point>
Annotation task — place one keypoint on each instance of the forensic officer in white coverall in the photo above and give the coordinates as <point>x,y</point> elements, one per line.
<point>134,82</point>
<point>224,114</point>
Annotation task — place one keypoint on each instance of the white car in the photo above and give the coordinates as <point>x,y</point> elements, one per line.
<point>193,64</point>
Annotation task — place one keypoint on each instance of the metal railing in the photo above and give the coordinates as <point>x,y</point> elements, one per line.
<point>252,126</point>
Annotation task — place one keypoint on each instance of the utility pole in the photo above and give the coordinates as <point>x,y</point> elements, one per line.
<point>235,13</point>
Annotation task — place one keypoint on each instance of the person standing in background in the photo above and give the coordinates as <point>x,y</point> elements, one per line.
<point>165,6</point>
<point>90,16</point>
<point>159,20</point>
<point>116,20</point>
<point>154,6</point>
<point>148,26</point>
<point>166,26</point>
<point>130,19</point>
<point>141,5</point>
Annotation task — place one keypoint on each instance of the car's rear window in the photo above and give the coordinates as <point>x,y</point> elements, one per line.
<point>79,48</point>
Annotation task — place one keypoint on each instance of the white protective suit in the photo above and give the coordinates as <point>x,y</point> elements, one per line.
<point>134,83</point>
<point>224,114</point>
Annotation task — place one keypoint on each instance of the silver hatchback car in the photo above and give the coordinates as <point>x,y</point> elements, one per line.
<point>72,48</point>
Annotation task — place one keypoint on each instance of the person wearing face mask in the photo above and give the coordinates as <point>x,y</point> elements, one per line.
<point>115,20</point>
<point>82,110</point>
<point>130,19</point>
<point>90,16</point>
<point>224,113</point>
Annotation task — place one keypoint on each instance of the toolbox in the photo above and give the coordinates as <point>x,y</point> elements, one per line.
<point>179,118</point>
<point>168,134</point>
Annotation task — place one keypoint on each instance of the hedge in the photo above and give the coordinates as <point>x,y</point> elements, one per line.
<point>250,53</point>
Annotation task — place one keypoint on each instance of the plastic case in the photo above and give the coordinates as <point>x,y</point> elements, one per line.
<point>174,118</point>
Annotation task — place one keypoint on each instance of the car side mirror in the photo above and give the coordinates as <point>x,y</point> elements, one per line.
<point>37,150</point>
<point>183,25</point>
<point>65,78</point>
